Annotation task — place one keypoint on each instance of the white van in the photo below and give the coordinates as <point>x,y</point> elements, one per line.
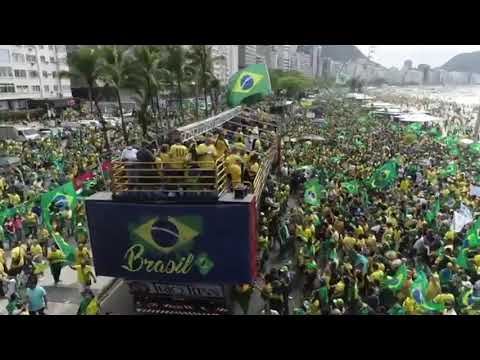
<point>18,133</point>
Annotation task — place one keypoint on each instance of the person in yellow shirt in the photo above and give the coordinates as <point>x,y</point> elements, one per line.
<point>18,255</point>
<point>14,199</point>
<point>235,171</point>
<point>349,242</point>
<point>253,167</point>
<point>178,156</point>
<point>83,254</point>
<point>3,260</point>
<point>207,153</point>
<point>36,249</point>
<point>163,157</point>
<point>221,145</point>
<point>56,259</point>
<point>85,275</point>
<point>230,159</point>
<point>239,137</point>
<point>31,223</point>
<point>43,236</point>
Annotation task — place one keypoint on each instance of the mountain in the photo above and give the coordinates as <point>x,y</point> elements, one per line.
<point>342,53</point>
<point>466,62</point>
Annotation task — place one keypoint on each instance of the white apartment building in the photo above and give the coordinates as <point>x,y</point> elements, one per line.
<point>247,55</point>
<point>32,72</point>
<point>225,67</point>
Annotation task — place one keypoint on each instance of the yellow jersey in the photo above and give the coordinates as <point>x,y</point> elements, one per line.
<point>84,274</point>
<point>206,155</point>
<point>221,146</point>
<point>178,155</point>
<point>236,173</point>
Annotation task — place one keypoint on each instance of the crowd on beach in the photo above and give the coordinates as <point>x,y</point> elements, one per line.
<point>372,217</point>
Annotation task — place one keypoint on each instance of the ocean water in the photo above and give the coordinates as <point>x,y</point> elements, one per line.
<point>464,95</point>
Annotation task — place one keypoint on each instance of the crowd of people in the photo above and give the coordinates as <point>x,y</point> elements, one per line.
<point>458,117</point>
<point>235,150</point>
<point>27,245</point>
<point>373,218</point>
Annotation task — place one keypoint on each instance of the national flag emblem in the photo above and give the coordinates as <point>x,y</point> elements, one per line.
<point>246,82</point>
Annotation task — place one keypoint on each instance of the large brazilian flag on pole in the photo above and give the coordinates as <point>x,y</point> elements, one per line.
<point>249,85</point>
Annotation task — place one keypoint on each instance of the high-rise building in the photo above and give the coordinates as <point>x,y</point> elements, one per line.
<point>32,72</point>
<point>247,55</point>
<point>264,52</point>
<point>407,65</point>
<point>227,64</point>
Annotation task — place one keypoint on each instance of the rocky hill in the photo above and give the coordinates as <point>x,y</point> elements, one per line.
<point>466,62</point>
<point>342,53</point>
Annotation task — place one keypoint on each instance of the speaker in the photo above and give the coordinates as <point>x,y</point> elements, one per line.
<point>240,192</point>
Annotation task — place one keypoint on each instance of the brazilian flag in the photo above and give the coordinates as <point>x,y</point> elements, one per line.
<point>397,282</point>
<point>384,176</point>
<point>65,193</point>
<point>249,85</point>
<point>313,192</point>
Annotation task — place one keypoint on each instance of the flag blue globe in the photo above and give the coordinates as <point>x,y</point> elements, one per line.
<point>246,82</point>
<point>164,233</point>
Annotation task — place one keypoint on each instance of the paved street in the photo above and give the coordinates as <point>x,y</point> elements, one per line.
<point>65,298</point>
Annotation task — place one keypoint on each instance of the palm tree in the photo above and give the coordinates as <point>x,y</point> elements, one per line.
<point>201,58</point>
<point>176,63</point>
<point>215,89</point>
<point>85,64</point>
<point>146,79</point>
<point>115,70</point>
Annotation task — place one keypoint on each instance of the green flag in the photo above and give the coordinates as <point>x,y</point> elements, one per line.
<point>449,170</point>
<point>336,159</point>
<point>68,250</point>
<point>473,238</point>
<point>419,287</point>
<point>435,132</point>
<point>384,176</point>
<point>397,282</point>
<point>397,309</point>
<point>68,192</point>
<point>313,192</point>
<point>451,140</point>
<point>474,148</point>
<point>415,128</point>
<point>462,259</point>
<point>249,84</point>
<point>432,214</point>
<point>351,187</point>
<point>430,306</point>
<point>7,213</point>
<point>454,151</point>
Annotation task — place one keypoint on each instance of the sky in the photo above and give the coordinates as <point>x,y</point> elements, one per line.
<point>433,55</point>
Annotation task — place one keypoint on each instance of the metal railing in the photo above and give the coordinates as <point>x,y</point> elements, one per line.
<point>188,132</point>
<point>262,176</point>
<point>170,177</point>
